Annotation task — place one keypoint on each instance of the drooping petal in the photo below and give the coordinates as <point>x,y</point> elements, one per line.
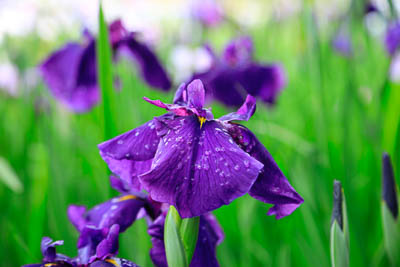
<point>264,81</point>
<point>70,73</point>
<point>76,215</point>
<point>130,154</point>
<point>244,113</point>
<point>271,185</point>
<point>150,67</point>
<point>196,94</point>
<point>210,235</point>
<point>198,169</point>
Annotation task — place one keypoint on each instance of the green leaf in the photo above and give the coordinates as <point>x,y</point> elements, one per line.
<point>339,247</point>
<point>391,235</point>
<point>105,78</point>
<point>9,177</point>
<point>189,233</point>
<point>391,119</point>
<point>174,249</point>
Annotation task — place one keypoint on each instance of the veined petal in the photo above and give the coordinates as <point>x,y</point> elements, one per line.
<point>198,169</point>
<point>244,113</point>
<point>108,247</point>
<point>76,215</point>
<point>150,67</point>
<point>196,94</point>
<point>113,262</point>
<point>271,185</point>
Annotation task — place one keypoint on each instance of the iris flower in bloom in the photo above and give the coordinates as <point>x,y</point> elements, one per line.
<point>99,227</point>
<point>236,74</point>
<point>51,258</point>
<point>188,159</point>
<point>71,73</point>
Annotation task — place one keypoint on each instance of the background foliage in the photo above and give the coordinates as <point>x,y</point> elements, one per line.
<point>330,122</point>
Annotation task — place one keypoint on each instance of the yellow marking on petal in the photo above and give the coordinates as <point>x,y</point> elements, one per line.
<point>127,197</point>
<point>50,264</point>
<point>113,262</point>
<point>202,120</point>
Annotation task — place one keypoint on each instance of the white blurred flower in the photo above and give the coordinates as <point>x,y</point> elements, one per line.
<point>9,78</point>
<point>394,72</point>
<point>186,61</point>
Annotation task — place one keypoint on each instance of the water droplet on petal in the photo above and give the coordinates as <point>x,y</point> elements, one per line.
<point>137,133</point>
<point>120,142</point>
<point>146,146</point>
<point>237,167</point>
<point>246,163</point>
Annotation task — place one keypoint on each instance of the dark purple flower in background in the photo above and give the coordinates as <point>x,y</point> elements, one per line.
<point>207,12</point>
<point>71,72</point>
<point>236,74</point>
<point>188,159</point>
<point>392,37</point>
<point>210,235</point>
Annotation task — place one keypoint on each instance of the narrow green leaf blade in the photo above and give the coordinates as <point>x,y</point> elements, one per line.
<point>104,71</point>
<point>189,232</point>
<point>9,177</point>
<point>391,235</point>
<point>174,249</point>
<point>339,248</point>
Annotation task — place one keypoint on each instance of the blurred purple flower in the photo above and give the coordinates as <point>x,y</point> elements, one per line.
<point>235,75</point>
<point>342,44</point>
<point>208,12</point>
<point>392,37</point>
<point>210,235</point>
<point>389,191</point>
<point>71,72</point>
<point>188,159</point>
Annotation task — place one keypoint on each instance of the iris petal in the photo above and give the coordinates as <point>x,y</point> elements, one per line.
<point>198,169</point>
<point>271,185</point>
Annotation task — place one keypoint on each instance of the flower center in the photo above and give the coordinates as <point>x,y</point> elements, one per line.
<point>202,120</point>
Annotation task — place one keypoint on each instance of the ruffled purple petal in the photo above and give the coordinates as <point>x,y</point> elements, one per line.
<point>210,235</point>
<point>48,248</point>
<point>70,73</point>
<point>264,81</point>
<point>109,246</point>
<point>244,113</point>
<point>271,185</point>
<point>198,169</point>
<point>175,108</point>
<point>150,67</point>
<point>119,210</point>
<point>130,154</point>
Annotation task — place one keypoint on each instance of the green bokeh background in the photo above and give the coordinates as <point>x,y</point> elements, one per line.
<point>333,121</point>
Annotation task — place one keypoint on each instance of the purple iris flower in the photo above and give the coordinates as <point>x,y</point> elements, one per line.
<point>99,227</point>
<point>188,159</point>
<point>51,258</point>
<point>71,72</point>
<point>210,235</point>
<point>392,37</point>
<point>236,74</point>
